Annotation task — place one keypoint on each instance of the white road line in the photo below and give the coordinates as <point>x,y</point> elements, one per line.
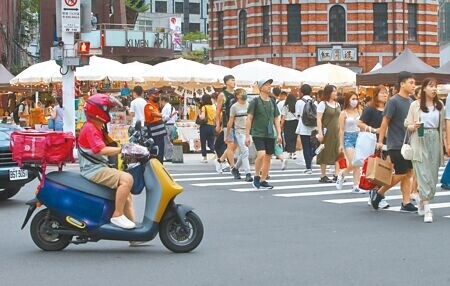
<point>358,200</point>
<point>230,177</point>
<point>312,194</point>
<point>297,171</point>
<point>271,181</point>
<point>276,188</point>
<point>432,206</point>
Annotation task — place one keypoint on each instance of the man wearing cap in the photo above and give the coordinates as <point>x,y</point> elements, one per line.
<point>263,124</point>
<point>154,123</point>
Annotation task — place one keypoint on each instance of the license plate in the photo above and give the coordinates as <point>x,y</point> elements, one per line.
<point>18,174</point>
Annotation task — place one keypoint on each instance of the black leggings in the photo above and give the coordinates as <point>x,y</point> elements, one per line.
<point>290,136</point>
<point>206,135</point>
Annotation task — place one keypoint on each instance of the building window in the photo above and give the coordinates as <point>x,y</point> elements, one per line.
<point>294,23</point>
<point>179,7</point>
<point>266,26</point>
<point>380,25</point>
<point>220,28</point>
<point>337,24</point>
<point>412,22</point>
<point>242,27</point>
<point>194,27</point>
<point>444,15</point>
<point>194,8</point>
<point>160,6</point>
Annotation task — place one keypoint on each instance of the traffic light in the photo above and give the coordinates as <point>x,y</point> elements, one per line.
<point>84,48</point>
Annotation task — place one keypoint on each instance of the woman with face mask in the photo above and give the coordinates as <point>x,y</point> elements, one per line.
<point>348,133</point>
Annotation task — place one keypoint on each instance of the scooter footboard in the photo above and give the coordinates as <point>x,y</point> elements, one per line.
<point>144,232</point>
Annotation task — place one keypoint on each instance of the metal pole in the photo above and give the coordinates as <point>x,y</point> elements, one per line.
<point>68,84</point>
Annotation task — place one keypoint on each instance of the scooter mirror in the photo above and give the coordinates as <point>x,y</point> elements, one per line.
<point>137,126</point>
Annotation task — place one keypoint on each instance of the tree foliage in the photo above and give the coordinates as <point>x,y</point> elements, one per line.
<point>138,6</point>
<point>197,56</point>
<point>195,36</point>
<point>29,19</point>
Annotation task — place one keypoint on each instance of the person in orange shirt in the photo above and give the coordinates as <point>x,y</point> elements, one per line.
<point>153,121</point>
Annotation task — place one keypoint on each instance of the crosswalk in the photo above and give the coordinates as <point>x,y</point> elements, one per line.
<point>294,184</point>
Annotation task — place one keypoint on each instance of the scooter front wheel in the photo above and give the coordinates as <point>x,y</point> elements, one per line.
<point>178,238</point>
<point>42,233</point>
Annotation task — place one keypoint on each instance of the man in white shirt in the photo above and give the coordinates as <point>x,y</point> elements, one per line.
<point>137,105</point>
<point>302,130</point>
<point>169,117</point>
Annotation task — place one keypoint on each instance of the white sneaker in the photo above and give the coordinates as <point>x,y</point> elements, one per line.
<point>284,164</point>
<point>204,160</point>
<point>355,189</point>
<point>369,201</point>
<point>383,204</point>
<point>218,166</point>
<point>226,167</point>
<point>428,217</point>
<point>308,171</point>
<point>123,222</point>
<point>340,182</point>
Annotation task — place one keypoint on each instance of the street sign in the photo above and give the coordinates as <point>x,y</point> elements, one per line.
<point>70,16</point>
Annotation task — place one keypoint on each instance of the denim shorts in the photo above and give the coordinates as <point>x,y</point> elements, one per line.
<point>350,139</point>
<point>231,136</point>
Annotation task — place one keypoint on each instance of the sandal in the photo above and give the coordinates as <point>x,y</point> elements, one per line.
<point>325,179</point>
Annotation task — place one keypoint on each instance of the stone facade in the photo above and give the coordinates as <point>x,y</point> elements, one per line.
<point>357,47</point>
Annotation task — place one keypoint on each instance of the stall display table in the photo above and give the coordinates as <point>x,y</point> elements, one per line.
<point>189,132</point>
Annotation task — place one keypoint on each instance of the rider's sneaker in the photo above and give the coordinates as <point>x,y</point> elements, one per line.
<point>123,222</point>
<point>138,243</point>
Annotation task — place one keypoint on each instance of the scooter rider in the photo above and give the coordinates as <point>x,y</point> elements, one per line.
<point>93,166</point>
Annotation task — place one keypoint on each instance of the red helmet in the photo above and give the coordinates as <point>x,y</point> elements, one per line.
<point>98,106</point>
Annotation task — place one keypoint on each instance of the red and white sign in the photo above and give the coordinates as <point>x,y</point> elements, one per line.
<point>175,28</point>
<point>70,18</point>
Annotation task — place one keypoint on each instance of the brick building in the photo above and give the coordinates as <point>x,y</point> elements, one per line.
<point>304,33</point>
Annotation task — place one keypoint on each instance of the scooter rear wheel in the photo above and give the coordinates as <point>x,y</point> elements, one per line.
<point>42,235</point>
<point>178,239</point>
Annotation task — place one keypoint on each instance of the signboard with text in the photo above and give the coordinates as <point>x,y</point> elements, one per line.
<point>70,19</point>
<point>337,54</point>
<point>175,28</point>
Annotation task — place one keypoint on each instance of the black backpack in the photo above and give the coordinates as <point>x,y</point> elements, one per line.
<point>16,116</point>
<point>309,114</point>
<point>229,100</point>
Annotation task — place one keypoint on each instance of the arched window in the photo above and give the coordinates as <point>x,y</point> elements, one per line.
<point>337,24</point>
<point>242,27</point>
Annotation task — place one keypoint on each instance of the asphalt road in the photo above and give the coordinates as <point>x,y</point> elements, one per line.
<point>287,236</point>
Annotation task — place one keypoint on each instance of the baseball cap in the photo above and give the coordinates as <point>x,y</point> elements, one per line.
<point>153,91</point>
<point>264,81</point>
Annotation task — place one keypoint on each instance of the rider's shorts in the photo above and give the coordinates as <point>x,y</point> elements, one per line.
<point>108,177</point>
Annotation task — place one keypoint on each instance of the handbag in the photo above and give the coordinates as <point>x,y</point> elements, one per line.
<point>204,120</point>
<point>365,146</point>
<point>379,171</point>
<point>407,151</point>
<point>364,183</point>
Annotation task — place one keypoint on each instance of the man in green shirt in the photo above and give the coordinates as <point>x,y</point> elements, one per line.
<point>263,124</point>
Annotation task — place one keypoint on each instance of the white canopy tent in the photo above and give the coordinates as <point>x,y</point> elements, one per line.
<point>140,72</point>
<point>218,71</point>
<point>322,75</point>
<point>184,71</point>
<point>101,68</point>
<point>376,67</point>
<point>250,72</point>
<point>45,72</point>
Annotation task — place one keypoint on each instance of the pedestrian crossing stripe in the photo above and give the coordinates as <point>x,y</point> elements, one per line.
<point>394,197</point>
<point>229,177</point>
<point>432,206</point>
<point>296,171</point>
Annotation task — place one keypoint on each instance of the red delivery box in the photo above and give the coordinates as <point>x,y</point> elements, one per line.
<point>50,147</point>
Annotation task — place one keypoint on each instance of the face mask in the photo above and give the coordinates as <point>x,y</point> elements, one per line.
<point>243,96</point>
<point>155,99</point>
<point>353,103</point>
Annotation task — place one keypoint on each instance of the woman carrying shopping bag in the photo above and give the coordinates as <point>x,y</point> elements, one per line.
<point>425,123</point>
<point>348,133</point>
<point>372,117</point>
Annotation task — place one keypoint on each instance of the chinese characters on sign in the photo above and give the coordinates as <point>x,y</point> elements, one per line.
<point>70,15</point>
<point>337,54</point>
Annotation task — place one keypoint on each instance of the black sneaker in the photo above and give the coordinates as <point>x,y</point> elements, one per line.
<point>256,184</point>
<point>335,178</point>
<point>409,208</point>
<point>375,199</point>
<point>325,179</point>
<point>265,186</point>
<point>236,174</point>
<point>248,178</point>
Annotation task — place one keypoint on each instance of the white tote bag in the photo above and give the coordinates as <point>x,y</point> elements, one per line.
<point>365,146</point>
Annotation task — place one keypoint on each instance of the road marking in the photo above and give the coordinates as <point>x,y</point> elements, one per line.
<point>313,194</point>
<point>432,206</point>
<point>358,200</point>
<point>292,187</point>
<point>297,171</point>
<point>271,181</point>
<point>231,177</point>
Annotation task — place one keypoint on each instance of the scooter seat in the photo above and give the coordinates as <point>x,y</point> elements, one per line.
<point>76,181</point>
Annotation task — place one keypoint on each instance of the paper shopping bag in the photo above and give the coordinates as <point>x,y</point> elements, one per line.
<point>379,171</point>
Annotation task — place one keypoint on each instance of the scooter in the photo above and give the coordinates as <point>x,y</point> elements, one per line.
<point>78,211</point>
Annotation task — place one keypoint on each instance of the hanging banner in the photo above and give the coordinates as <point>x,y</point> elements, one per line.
<point>175,29</point>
